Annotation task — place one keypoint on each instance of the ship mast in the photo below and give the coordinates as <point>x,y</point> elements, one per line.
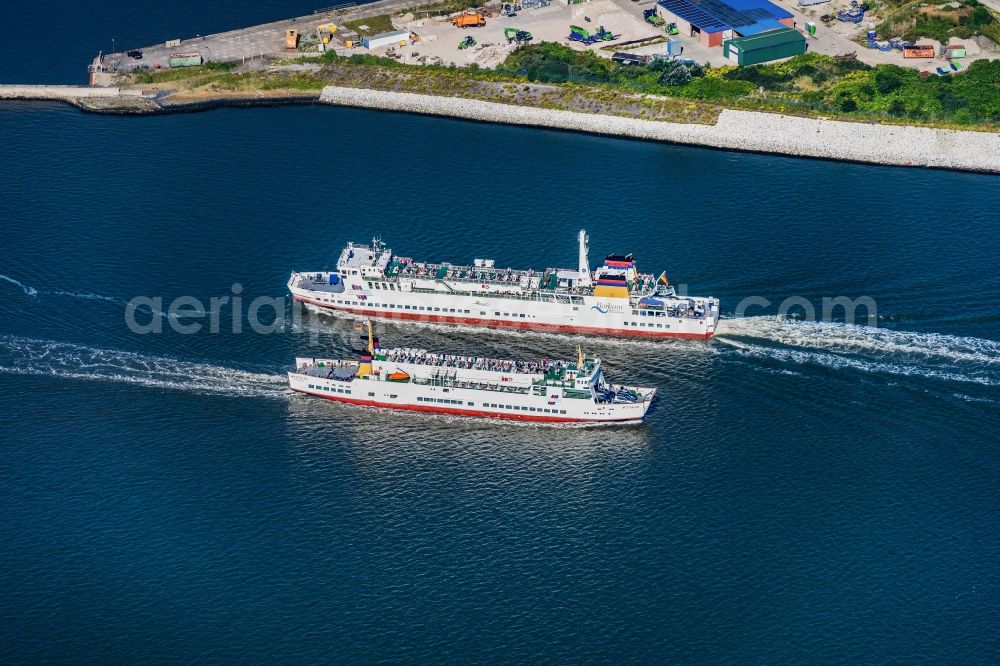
<point>584,277</point>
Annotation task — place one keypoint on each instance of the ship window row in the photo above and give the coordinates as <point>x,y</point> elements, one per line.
<point>444,400</point>
<point>649,313</point>
<point>646,324</point>
<point>508,314</point>
<point>329,389</point>
<point>392,306</point>
<point>526,409</point>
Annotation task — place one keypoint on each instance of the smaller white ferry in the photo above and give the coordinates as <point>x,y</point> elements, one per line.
<point>417,380</point>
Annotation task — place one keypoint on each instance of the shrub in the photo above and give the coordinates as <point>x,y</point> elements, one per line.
<point>890,78</point>
<point>675,75</point>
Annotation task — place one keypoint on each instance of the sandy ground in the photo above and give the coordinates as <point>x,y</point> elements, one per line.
<point>439,39</point>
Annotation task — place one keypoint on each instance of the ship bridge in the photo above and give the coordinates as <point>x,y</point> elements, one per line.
<point>366,260</point>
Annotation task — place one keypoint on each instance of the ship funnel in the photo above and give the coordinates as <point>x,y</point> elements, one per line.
<point>584,279</point>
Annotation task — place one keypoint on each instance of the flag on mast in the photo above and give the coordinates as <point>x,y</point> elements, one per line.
<point>663,278</point>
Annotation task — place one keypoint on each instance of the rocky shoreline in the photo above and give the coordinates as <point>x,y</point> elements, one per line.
<point>868,143</point>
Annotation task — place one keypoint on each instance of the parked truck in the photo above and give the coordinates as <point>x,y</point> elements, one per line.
<point>475,20</point>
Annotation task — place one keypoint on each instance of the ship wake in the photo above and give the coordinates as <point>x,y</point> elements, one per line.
<point>864,348</point>
<point>26,356</point>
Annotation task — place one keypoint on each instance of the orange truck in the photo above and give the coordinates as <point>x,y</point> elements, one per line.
<point>291,39</point>
<point>476,20</point>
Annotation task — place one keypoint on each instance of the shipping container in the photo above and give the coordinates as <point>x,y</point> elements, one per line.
<point>954,51</point>
<point>810,3</point>
<point>394,38</point>
<point>918,51</point>
<point>185,60</point>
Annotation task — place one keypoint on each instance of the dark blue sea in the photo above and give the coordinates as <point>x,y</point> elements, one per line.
<point>802,491</point>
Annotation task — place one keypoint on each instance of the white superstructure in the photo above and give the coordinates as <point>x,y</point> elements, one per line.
<point>614,299</point>
<point>418,380</point>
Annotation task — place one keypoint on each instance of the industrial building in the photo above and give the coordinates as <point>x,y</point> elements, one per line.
<point>764,47</point>
<point>713,21</point>
<point>394,38</point>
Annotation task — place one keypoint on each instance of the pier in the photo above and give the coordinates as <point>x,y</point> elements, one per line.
<point>64,93</point>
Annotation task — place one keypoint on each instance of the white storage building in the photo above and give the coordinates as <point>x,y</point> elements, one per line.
<point>393,38</point>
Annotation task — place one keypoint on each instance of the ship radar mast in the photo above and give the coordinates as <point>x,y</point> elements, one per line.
<point>584,277</point>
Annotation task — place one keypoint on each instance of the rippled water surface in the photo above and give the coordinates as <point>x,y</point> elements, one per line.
<point>801,492</point>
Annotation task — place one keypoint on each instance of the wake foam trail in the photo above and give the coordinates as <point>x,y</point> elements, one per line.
<point>29,291</point>
<point>26,356</point>
<point>865,348</point>
<point>86,296</point>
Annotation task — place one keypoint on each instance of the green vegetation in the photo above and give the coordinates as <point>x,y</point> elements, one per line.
<point>220,76</point>
<point>939,20</point>
<point>445,7</point>
<point>554,76</point>
<point>376,25</point>
<point>182,73</point>
<point>810,84</point>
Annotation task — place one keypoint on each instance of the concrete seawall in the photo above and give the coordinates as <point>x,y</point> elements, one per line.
<point>735,130</point>
<point>67,93</point>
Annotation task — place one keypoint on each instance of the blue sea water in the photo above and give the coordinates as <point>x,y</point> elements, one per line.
<point>802,492</point>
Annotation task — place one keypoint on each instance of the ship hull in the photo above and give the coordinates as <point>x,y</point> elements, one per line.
<point>699,330</point>
<point>464,402</point>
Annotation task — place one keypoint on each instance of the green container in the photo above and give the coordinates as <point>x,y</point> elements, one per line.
<point>186,60</point>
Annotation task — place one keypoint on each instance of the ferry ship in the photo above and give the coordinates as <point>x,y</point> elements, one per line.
<point>615,299</point>
<point>547,390</point>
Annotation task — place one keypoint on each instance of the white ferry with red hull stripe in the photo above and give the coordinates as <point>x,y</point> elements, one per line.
<point>549,391</point>
<point>614,299</point>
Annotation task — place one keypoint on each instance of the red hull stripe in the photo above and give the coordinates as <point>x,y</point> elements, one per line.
<point>463,412</point>
<point>494,323</point>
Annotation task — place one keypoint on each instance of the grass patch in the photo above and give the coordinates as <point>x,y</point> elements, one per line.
<point>376,25</point>
<point>445,7</point>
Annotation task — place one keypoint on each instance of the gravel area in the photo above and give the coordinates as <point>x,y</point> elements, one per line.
<point>735,130</point>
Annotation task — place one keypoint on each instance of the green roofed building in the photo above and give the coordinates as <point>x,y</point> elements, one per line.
<point>764,47</point>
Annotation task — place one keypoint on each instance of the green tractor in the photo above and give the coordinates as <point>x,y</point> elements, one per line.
<point>672,29</point>
<point>605,35</point>
<point>513,35</point>
<point>467,42</point>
